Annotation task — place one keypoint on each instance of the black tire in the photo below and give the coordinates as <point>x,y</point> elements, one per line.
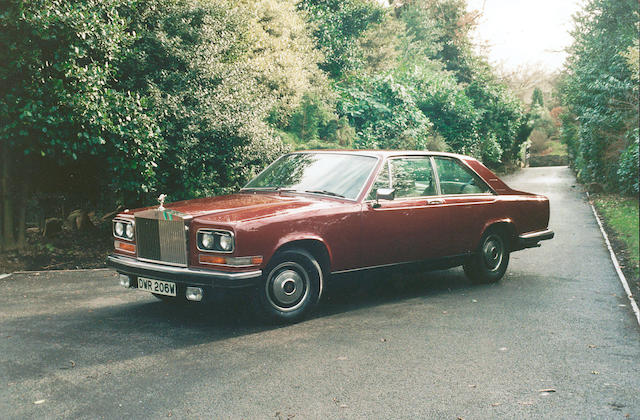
<point>490,262</point>
<point>290,286</point>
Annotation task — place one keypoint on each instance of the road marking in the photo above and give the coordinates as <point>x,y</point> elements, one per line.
<point>2,276</point>
<point>621,276</point>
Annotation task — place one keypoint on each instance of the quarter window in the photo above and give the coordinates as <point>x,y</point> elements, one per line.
<point>456,179</point>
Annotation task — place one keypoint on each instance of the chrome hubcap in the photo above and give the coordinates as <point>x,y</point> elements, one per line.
<point>286,286</point>
<point>492,252</point>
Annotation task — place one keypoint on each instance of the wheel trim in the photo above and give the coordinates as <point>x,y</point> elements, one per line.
<point>493,252</point>
<point>287,286</point>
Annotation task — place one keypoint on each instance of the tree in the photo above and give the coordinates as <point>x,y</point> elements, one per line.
<point>384,114</point>
<point>444,102</point>
<point>600,93</point>
<point>337,27</point>
<point>537,99</point>
<point>197,63</point>
<point>61,104</point>
<point>491,118</point>
<point>279,41</point>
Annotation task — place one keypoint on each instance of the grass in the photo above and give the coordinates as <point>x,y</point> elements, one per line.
<point>557,148</point>
<point>620,215</point>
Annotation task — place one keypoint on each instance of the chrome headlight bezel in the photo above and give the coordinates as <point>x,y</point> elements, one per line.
<point>216,245</point>
<point>126,227</point>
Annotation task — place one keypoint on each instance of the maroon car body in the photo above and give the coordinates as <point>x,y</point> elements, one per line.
<point>444,227</point>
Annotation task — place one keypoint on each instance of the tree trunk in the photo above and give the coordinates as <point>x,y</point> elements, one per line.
<point>22,216</point>
<point>8,237</point>
<point>1,199</point>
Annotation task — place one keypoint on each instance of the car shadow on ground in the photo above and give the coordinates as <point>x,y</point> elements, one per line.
<point>232,309</point>
<point>142,324</point>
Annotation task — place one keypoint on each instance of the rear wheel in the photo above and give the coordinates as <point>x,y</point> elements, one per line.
<point>291,286</point>
<point>490,262</point>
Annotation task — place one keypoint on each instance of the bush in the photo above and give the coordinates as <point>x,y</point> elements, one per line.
<point>194,61</point>
<point>539,142</point>
<point>384,114</point>
<point>628,167</point>
<point>600,93</point>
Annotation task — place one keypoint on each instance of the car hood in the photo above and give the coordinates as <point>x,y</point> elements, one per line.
<point>246,206</point>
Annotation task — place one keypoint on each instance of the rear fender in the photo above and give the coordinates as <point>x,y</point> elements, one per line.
<point>506,225</point>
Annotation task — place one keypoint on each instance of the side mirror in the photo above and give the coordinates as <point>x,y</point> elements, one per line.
<point>385,193</point>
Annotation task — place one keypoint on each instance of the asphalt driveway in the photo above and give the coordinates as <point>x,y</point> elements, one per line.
<point>556,338</point>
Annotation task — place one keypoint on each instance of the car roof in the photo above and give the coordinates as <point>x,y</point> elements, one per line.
<point>386,153</point>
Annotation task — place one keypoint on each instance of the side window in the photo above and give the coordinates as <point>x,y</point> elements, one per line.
<point>382,181</point>
<point>412,177</point>
<point>456,179</point>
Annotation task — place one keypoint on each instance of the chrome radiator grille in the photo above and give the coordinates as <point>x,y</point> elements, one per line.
<point>161,236</point>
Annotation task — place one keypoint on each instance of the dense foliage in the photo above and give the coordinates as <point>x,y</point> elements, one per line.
<point>600,94</point>
<point>114,101</point>
<point>60,103</point>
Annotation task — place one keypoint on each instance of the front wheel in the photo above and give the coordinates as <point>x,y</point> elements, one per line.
<point>291,286</point>
<point>490,262</point>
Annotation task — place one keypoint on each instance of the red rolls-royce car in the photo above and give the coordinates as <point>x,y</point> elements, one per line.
<point>315,214</point>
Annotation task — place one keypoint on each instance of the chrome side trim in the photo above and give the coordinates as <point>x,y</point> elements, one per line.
<point>123,263</point>
<point>428,260</point>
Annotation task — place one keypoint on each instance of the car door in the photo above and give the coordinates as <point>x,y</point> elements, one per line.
<point>411,227</point>
<point>468,201</point>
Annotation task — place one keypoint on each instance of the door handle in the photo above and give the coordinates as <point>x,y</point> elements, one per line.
<point>433,201</point>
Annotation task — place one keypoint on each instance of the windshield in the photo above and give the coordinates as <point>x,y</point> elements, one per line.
<point>334,174</point>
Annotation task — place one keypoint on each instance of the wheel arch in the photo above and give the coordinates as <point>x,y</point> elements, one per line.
<point>317,249</point>
<point>506,226</point>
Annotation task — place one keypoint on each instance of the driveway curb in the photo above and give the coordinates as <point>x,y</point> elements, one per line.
<point>614,259</point>
<point>3,276</point>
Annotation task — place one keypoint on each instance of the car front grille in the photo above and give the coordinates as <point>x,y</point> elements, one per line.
<point>161,236</point>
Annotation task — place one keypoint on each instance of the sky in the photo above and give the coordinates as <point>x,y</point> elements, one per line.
<point>523,33</point>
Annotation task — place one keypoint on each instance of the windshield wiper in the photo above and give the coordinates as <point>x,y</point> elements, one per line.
<point>325,192</point>
<point>279,189</point>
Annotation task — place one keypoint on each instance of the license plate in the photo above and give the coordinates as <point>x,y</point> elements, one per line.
<point>158,287</point>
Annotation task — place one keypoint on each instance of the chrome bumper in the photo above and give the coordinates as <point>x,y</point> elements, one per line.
<point>133,267</point>
<point>531,239</point>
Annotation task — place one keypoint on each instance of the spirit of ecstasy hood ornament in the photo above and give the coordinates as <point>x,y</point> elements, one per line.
<point>161,199</point>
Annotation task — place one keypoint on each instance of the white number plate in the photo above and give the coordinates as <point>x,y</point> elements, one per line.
<point>158,287</point>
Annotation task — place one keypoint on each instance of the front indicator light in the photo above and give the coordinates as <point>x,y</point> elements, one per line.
<point>123,246</point>
<point>230,261</point>
<point>212,259</point>
<point>194,294</point>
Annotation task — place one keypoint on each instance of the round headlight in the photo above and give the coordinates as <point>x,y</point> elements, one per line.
<point>207,240</point>
<point>129,230</point>
<point>119,229</point>
<point>226,242</point>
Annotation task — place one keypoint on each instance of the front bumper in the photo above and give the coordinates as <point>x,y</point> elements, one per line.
<point>182,275</point>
